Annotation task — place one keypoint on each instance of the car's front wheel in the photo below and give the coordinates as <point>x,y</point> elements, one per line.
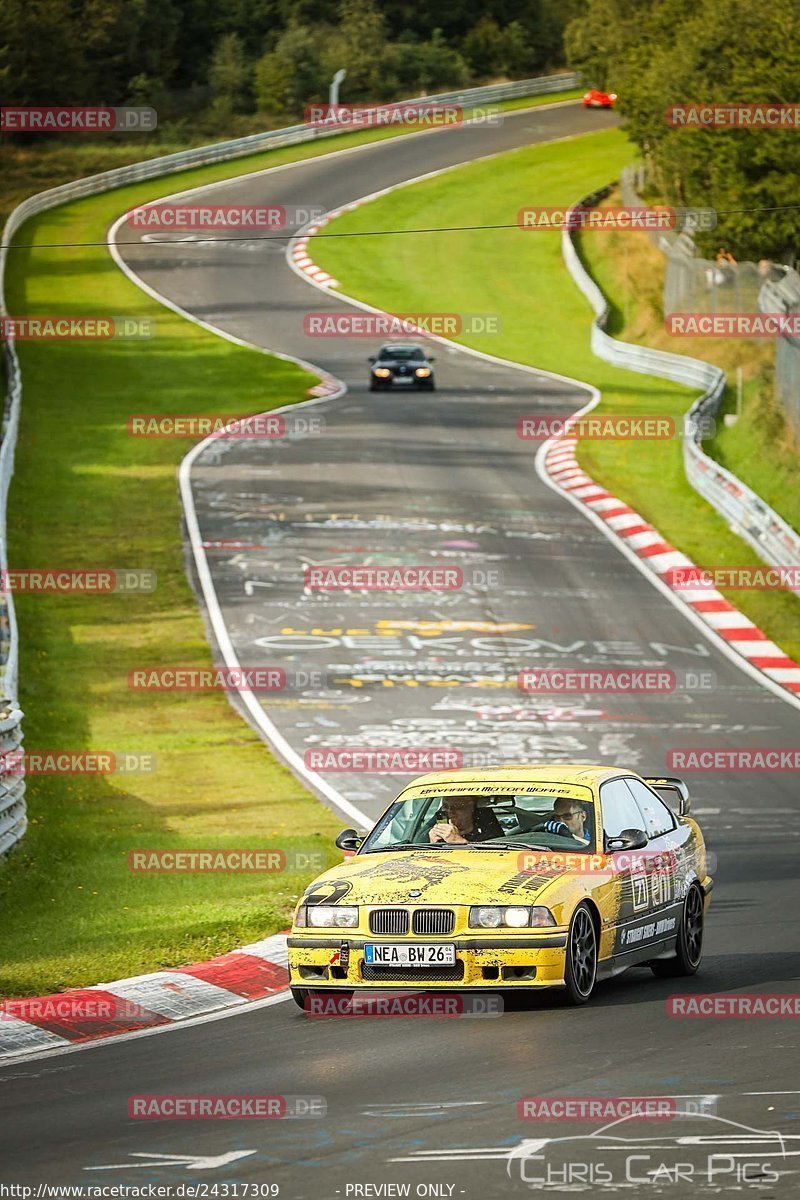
<point>689,945</point>
<point>580,970</point>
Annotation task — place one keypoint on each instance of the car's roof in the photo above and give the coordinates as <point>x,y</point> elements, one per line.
<point>402,346</point>
<point>587,774</point>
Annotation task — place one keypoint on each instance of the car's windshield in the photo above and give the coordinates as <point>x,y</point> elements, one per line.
<point>404,352</point>
<point>552,817</point>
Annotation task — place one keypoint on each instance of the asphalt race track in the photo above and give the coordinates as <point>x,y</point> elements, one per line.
<point>443,480</point>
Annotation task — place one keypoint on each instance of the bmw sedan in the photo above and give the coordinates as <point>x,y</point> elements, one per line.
<point>401,365</point>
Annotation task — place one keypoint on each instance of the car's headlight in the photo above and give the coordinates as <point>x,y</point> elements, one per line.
<point>512,916</point>
<point>382,372</point>
<point>422,372</point>
<point>327,916</point>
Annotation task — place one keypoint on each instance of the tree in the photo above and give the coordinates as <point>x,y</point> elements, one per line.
<point>439,66</point>
<point>484,47</point>
<point>109,36</point>
<point>359,44</point>
<point>672,51</point>
<point>50,67</point>
<point>229,76</point>
<point>291,75</point>
<point>520,53</point>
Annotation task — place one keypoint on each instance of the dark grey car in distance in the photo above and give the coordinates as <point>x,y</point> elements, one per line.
<point>401,365</point>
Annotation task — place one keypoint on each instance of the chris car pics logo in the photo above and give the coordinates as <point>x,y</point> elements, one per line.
<point>691,1150</point>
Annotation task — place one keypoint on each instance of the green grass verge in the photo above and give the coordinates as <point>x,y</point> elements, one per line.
<point>85,493</point>
<point>545,321</point>
<point>760,449</point>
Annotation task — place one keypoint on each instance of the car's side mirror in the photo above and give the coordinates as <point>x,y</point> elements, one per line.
<point>431,358</point>
<point>349,839</point>
<point>372,358</point>
<point>629,839</point>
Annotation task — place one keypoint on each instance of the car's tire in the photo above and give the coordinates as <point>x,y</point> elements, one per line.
<point>580,964</point>
<point>301,995</point>
<point>689,945</point>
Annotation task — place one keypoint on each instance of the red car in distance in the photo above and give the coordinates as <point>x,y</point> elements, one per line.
<point>596,99</point>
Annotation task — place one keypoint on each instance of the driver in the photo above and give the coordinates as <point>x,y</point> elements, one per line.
<point>568,819</point>
<point>464,822</point>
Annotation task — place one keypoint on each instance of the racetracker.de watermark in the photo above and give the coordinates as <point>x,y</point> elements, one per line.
<point>402,759</point>
<point>646,861</point>
<point>366,116</point>
<point>753,1005</point>
<point>65,580</point>
<point>30,118</point>
<point>744,578</point>
<point>388,325</point>
<point>628,218</point>
<point>227,679</point>
<point>104,1006</point>
<point>733,116</point>
<point>619,681</point>
<point>404,1004</point>
<point>733,324</point>
<point>224,426</point>
<point>235,217</point>
<point>540,427</point>
<point>753,758</point>
<point>223,861</point>
<point>76,762</point>
<point>596,1108</point>
<point>237,1107</point>
<point>76,329</point>
<point>399,578</point>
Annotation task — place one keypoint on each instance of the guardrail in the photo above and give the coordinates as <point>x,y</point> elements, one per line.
<point>783,295</point>
<point>12,807</point>
<point>13,819</point>
<point>746,513</point>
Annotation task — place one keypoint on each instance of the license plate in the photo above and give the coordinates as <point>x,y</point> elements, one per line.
<point>403,379</point>
<point>389,955</point>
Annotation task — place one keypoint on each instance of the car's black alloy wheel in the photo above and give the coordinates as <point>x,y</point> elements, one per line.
<point>580,971</point>
<point>689,944</point>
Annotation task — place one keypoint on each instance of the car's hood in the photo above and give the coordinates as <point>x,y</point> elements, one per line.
<point>436,877</point>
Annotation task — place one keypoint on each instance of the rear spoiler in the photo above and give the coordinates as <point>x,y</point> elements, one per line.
<point>670,783</point>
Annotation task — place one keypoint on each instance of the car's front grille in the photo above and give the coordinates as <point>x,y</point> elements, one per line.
<point>451,974</point>
<point>388,920</point>
<point>434,920</point>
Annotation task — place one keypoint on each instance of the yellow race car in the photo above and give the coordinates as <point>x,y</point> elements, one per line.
<point>509,878</point>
